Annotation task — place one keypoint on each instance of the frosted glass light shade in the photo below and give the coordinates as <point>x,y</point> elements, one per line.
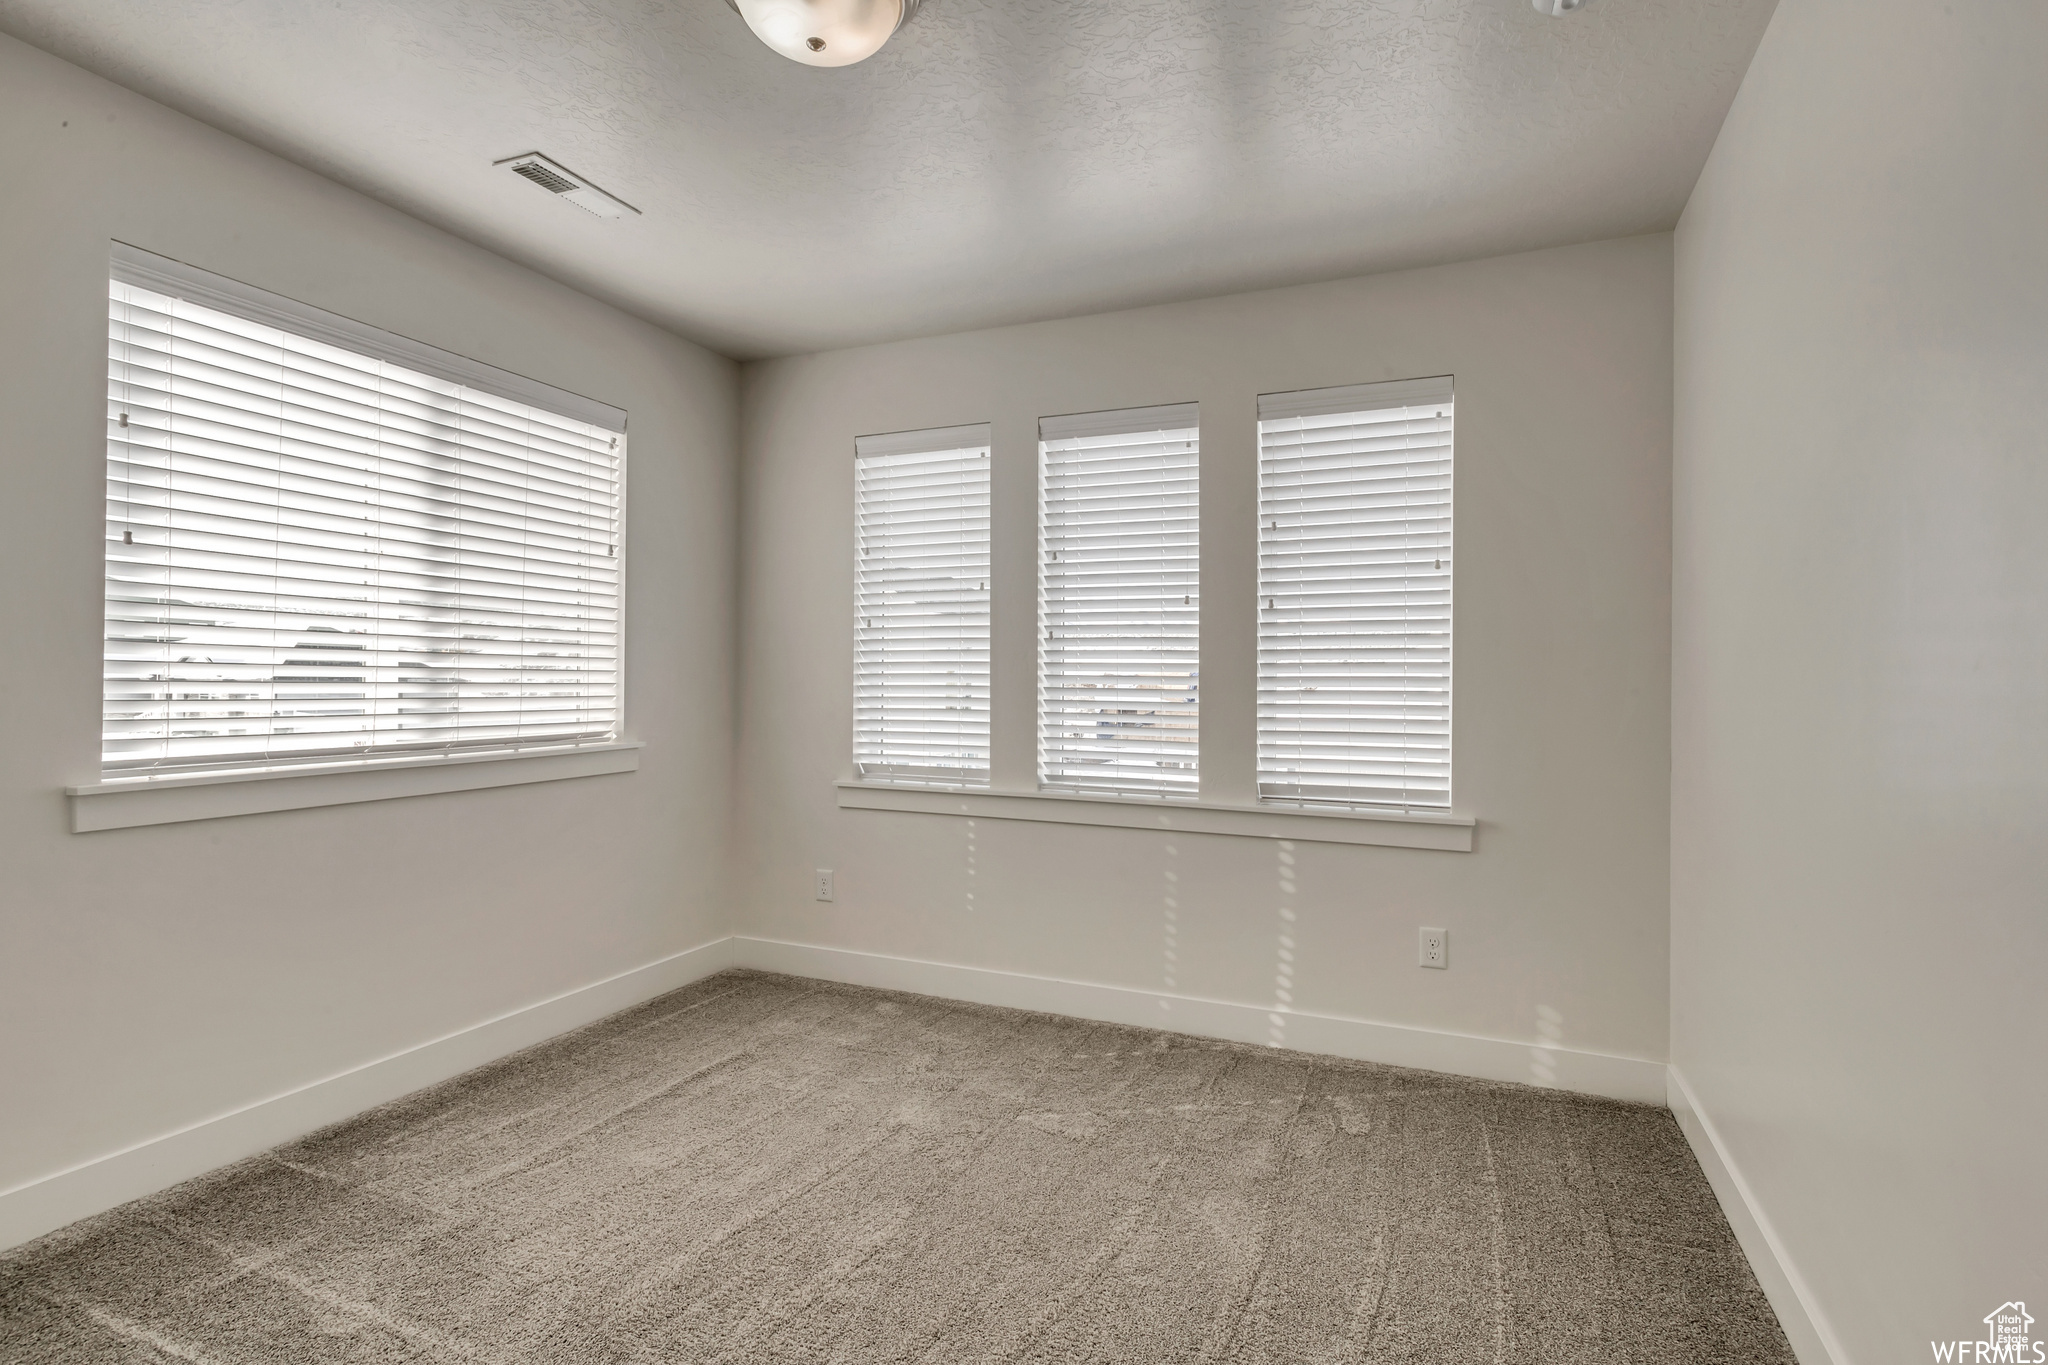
<point>825,32</point>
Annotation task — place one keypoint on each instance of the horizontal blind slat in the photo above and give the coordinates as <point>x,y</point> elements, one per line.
<point>1355,595</point>
<point>921,601</point>
<point>317,555</point>
<point>1120,611</point>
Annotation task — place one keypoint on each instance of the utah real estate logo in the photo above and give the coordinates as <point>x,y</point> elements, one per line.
<point>2006,1327</point>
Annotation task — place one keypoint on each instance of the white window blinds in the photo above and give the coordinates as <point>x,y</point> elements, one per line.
<point>1355,594</point>
<point>317,553</point>
<point>1119,605</point>
<point>921,658</point>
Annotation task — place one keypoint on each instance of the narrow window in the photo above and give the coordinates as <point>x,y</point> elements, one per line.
<point>1120,606</point>
<point>319,553</point>
<point>1355,595</point>
<point>922,594</point>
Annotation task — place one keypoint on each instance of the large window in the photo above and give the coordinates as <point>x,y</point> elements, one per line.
<point>922,595</point>
<point>1355,595</point>
<point>1119,657</point>
<point>328,544</point>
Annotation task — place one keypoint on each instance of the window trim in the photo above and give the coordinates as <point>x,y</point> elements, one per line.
<point>1113,422</point>
<point>926,441</point>
<point>174,796</point>
<point>128,802</point>
<point>1339,400</point>
<point>133,265</point>
<point>1445,831</point>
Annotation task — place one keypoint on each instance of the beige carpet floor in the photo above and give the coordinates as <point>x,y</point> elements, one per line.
<point>764,1169</point>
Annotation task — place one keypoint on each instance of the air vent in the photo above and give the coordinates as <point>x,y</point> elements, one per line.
<point>543,177</point>
<point>565,184</point>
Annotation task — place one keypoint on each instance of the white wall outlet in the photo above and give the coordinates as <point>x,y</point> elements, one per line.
<point>824,883</point>
<point>1433,947</point>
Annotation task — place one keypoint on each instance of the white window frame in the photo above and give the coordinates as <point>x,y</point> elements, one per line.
<point>1017,793</point>
<point>1386,582</point>
<point>873,641</point>
<point>151,798</point>
<point>1124,775</point>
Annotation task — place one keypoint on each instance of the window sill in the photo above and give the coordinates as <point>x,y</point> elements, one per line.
<point>1393,829</point>
<point>124,803</point>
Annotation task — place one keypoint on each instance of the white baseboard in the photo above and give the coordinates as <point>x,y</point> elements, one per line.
<point>1806,1327</point>
<point>50,1202</point>
<point>1493,1059</point>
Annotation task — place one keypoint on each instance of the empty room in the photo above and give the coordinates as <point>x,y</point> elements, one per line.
<point>1117,682</point>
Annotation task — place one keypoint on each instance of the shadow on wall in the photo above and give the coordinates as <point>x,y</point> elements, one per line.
<point>972,835</point>
<point>1170,964</point>
<point>1283,967</point>
<point>1283,975</point>
<point>1544,1052</point>
<point>1543,1056</point>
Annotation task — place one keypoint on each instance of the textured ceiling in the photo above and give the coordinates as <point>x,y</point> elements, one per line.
<point>999,160</point>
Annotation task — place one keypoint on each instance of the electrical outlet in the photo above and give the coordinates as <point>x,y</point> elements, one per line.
<point>824,883</point>
<point>1433,948</point>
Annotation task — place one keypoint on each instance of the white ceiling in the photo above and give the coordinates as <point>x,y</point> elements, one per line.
<point>999,160</point>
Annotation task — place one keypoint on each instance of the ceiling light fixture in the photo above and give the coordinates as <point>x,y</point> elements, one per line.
<point>825,32</point>
<point>1554,8</point>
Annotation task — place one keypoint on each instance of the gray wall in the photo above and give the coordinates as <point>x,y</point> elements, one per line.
<point>153,978</point>
<point>1860,751</point>
<point>1562,363</point>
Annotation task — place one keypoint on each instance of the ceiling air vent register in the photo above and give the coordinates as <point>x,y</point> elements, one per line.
<point>566,185</point>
